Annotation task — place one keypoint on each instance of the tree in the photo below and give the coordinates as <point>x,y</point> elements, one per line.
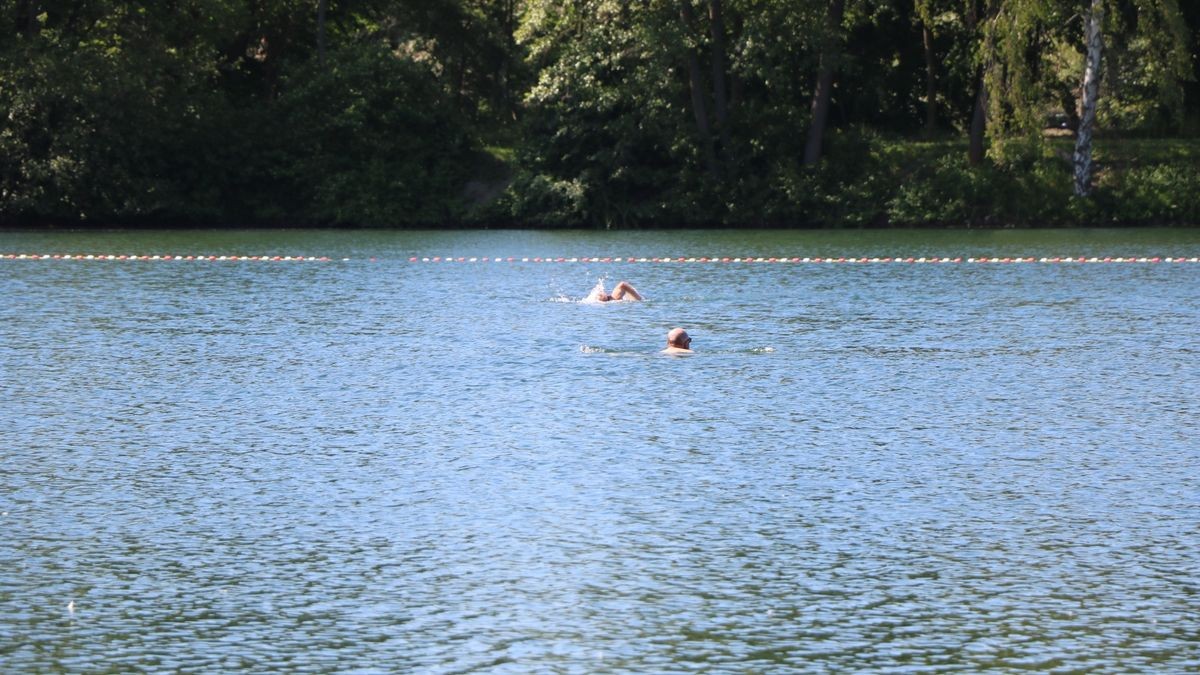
<point>322,11</point>
<point>374,141</point>
<point>1090,91</point>
<point>982,19</point>
<point>831,52</point>
<point>1037,42</point>
<point>699,95</point>
<point>923,11</point>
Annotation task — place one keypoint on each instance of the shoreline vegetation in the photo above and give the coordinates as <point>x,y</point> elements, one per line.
<point>607,115</point>
<point>890,184</point>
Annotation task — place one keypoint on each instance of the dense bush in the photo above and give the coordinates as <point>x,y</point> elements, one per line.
<point>1164,194</point>
<point>100,130</point>
<point>370,140</point>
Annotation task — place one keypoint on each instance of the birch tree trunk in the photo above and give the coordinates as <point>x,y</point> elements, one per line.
<point>1091,92</point>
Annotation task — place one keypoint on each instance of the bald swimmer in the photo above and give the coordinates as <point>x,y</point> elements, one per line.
<point>678,342</point>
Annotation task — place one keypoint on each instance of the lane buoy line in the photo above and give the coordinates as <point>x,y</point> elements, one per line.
<point>193,258</point>
<point>618,259</point>
<point>816,260</point>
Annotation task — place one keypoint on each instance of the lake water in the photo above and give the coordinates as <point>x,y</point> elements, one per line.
<point>375,465</point>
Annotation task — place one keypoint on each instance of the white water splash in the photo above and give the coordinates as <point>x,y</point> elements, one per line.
<point>594,295</point>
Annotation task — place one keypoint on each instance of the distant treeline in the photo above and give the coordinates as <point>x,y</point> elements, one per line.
<point>599,113</point>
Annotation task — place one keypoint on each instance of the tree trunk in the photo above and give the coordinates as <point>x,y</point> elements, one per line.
<point>1070,106</point>
<point>696,84</point>
<point>1091,92</point>
<point>975,146</point>
<point>26,17</point>
<point>930,80</point>
<point>322,8</point>
<point>720,96</point>
<point>504,72</point>
<point>830,54</point>
<point>977,135</point>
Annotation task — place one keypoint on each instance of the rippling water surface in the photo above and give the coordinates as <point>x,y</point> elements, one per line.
<point>375,465</point>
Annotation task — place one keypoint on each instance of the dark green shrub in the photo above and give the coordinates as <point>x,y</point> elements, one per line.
<point>948,192</point>
<point>370,139</point>
<point>1152,194</point>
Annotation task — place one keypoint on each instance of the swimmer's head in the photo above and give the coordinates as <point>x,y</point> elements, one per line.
<point>679,338</point>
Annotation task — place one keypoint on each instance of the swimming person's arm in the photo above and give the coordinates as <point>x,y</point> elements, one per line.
<point>624,288</point>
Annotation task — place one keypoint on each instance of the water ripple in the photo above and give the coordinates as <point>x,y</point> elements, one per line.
<point>374,466</point>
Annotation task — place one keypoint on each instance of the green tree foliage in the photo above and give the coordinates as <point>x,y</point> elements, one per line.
<point>368,140</point>
<point>1037,64</point>
<point>108,111</point>
<point>610,130</point>
<point>211,111</point>
<point>608,113</point>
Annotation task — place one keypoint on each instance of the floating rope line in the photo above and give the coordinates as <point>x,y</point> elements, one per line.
<point>190,258</point>
<point>513,259</point>
<point>818,260</point>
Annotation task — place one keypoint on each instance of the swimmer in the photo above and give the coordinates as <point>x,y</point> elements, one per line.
<point>621,291</point>
<point>678,342</point>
